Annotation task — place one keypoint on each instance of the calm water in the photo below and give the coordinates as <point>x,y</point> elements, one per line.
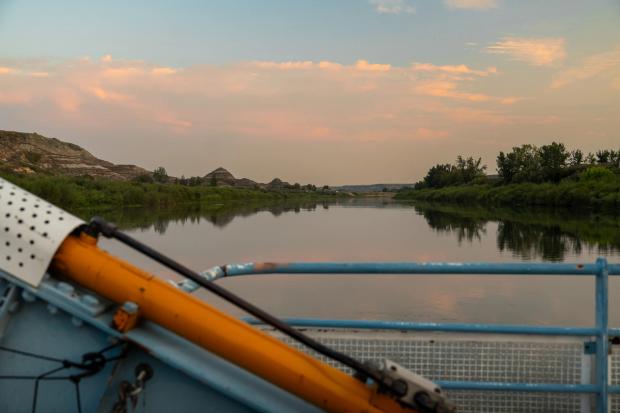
<point>381,230</point>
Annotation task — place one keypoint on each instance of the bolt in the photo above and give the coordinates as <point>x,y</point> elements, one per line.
<point>65,288</point>
<point>52,309</point>
<point>130,307</point>
<point>90,300</point>
<point>28,296</point>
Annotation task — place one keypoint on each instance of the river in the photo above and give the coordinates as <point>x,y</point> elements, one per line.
<point>376,229</point>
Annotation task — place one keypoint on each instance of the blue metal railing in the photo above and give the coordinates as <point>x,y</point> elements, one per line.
<point>601,271</point>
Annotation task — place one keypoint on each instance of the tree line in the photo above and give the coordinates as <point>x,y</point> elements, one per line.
<point>525,164</point>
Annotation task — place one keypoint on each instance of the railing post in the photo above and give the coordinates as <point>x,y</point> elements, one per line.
<point>602,340</point>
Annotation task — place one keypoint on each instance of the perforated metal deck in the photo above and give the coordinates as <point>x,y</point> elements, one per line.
<point>477,357</point>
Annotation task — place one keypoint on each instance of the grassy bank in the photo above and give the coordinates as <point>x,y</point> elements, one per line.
<point>85,193</point>
<point>603,193</point>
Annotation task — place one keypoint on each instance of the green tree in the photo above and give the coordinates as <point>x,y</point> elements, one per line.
<point>553,161</point>
<point>576,157</point>
<point>160,174</point>
<point>603,156</point>
<point>520,165</point>
<point>467,170</point>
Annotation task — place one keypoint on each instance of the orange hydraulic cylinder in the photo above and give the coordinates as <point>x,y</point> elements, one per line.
<point>80,260</point>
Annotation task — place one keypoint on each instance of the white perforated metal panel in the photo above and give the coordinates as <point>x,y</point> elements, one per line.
<point>31,230</point>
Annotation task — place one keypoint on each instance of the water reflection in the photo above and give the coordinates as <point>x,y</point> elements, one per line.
<point>220,215</point>
<point>529,234</point>
<point>377,229</point>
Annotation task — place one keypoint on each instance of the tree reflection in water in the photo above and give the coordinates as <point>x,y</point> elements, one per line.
<point>529,234</point>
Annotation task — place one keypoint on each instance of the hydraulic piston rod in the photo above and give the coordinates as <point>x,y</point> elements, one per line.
<point>81,260</point>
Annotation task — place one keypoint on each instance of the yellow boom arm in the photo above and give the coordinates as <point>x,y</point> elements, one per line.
<point>80,260</point>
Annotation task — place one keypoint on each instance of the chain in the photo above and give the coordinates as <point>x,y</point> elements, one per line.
<point>129,391</point>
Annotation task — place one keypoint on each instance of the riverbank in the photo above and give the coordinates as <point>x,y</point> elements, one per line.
<point>74,194</point>
<point>587,194</point>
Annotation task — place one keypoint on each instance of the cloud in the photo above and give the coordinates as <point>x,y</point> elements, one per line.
<point>534,51</point>
<point>293,100</point>
<point>471,4</point>
<point>364,66</point>
<point>453,69</point>
<point>107,95</point>
<point>360,65</point>
<point>172,120</point>
<point>445,81</point>
<point>448,89</point>
<point>6,70</point>
<point>393,6</point>
<point>158,71</point>
<point>607,63</point>
<point>106,58</point>
<point>123,72</point>
<point>428,133</point>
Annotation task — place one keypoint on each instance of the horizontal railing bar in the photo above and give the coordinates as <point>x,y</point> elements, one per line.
<point>445,327</point>
<point>407,268</point>
<point>519,387</point>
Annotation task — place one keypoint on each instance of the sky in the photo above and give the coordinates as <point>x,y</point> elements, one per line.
<point>324,92</point>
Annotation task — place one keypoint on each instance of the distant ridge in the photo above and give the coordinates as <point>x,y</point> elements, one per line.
<point>30,153</point>
<point>222,177</point>
<point>372,187</point>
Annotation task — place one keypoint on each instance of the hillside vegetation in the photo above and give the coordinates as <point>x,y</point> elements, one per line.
<point>73,193</point>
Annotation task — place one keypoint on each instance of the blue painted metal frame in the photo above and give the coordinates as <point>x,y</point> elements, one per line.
<point>601,271</point>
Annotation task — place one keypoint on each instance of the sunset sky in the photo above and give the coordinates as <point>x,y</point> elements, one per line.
<point>326,92</point>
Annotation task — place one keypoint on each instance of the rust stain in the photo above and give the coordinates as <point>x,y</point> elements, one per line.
<point>580,266</point>
<point>265,266</point>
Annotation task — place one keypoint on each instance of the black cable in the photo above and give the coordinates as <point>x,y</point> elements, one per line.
<point>36,385</point>
<point>77,396</point>
<point>27,354</point>
<point>91,364</point>
<point>99,225</point>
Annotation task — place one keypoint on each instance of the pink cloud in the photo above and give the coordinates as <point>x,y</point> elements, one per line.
<point>295,100</point>
<point>38,74</point>
<point>159,71</point>
<point>14,97</point>
<point>123,72</point>
<point>448,89</point>
<point>428,133</point>
<point>6,70</point>
<point>593,66</point>
<point>106,95</point>
<point>365,66</point>
<point>534,51</point>
<point>452,69</point>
